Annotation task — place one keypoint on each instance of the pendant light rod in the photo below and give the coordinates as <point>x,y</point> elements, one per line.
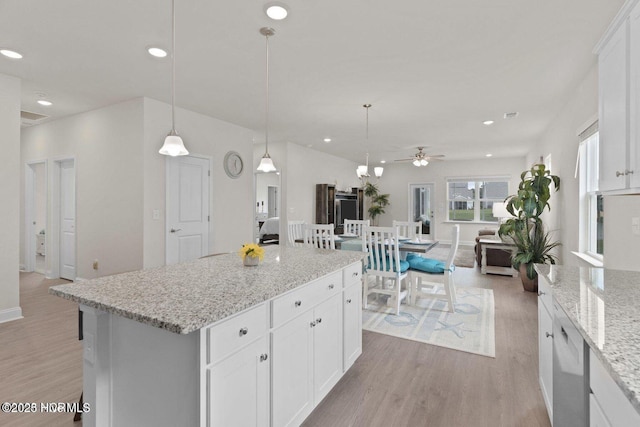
<point>173,67</point>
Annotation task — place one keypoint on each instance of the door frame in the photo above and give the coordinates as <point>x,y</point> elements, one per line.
<point>29,206</point>
<point>53,244</point>
<point>432,214</point>
<point>209,159</point>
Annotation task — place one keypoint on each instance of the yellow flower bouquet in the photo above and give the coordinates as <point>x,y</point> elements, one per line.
<point>251,254</point>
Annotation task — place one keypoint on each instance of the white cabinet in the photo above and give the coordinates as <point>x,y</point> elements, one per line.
<point>307,361</point>
<point>352,302</point>
<point>545,349</point>
<point>612,407</point>
<point>236,370</point>
<point>239,388</point>
<point>619,102</point>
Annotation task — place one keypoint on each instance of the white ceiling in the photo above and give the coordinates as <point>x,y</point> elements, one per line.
<point>433,69</point>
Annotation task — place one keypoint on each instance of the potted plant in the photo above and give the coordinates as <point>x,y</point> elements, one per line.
<point>533,244</point>
<point>378,201</point>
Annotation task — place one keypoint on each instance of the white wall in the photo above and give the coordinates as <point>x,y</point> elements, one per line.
<point>231,199</point>
<point>621,246</point>
<point>10,196</point>
<point>561,141</point>
<point>106,145</point>
<point>397,177</point>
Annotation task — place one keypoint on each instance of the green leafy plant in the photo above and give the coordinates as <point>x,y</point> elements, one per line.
<point>378,201</point>
<point>533,243</point>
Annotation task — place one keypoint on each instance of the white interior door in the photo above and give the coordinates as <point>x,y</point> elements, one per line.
<point>187,209</point>
<point>67,220</point>
<point>421,207</point>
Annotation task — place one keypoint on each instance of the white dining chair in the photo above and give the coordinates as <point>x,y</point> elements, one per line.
<point>295,231</point>
<point>420,289</point>
<point>384,264</point>
<point>408,229</point>
<point>354,226</point>
<point>320,236</point>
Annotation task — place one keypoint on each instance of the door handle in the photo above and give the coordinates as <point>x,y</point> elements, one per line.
<point>173,230</point>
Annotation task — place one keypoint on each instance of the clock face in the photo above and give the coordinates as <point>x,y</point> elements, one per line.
<point>233,164</point>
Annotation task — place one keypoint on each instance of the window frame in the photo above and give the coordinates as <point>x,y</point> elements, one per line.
<point>477,200</point>
<point>589,196</point>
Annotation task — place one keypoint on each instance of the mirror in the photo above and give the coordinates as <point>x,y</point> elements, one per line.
<point>266,203</point>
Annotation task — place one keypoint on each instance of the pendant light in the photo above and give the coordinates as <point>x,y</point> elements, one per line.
<point>266,164</point>
<point>363,170</point>
<point>173,145</point>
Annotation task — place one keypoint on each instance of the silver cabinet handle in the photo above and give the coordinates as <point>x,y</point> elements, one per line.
<point>174,230</point>
<point>313,324</point>
<point>628,172</point>
<point>354,274</point>
<point>264,357</point>
<point>331,286</point>
<point>298,303</point>
<point>319,320</point>
<point>243,332</point>
<point>349,301</point>
<point>540,293</point>
<point>548,335</point>
<point>619,174</point>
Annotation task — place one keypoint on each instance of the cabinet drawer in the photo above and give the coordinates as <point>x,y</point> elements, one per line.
<point>299,300</point>
<point>613,403</point>
<point>231,335</point>
<point>544,294</point>
<point>352,274</point>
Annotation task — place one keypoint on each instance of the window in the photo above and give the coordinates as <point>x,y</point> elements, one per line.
<point>591,204</point>
<point>472,199</point>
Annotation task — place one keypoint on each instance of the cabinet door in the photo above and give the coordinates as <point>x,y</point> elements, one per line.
<point>352,324</point>
<point>238,388</point>
<point>613,112</point>
<point>545,356</point>
<point>292,371</point>
<point>634,93</point>
<point>596,416</point>
<point>327,345</point>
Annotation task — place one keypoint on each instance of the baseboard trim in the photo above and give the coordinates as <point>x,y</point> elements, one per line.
<point>22,267</point>
<point>10,314</point>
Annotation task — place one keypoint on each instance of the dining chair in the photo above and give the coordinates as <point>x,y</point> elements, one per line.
<point>320,236</point>
<point>408,229</point>
<point>383,262</point>
<point>354,226</point>
<point>429,268</point>
<point>295,231</point>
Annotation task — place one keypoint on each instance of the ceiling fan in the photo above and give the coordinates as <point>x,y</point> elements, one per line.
<point>421,158</point>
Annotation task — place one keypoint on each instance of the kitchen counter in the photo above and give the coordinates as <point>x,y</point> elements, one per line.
<point>185,297</point>
<point>604,305</point>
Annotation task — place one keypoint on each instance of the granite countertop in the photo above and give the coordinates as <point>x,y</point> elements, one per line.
<point>604,305</point>
<point>185,297</point>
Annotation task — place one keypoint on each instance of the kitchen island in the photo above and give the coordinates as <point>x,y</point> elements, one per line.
<point>604,307</point>
<point>211,342</point>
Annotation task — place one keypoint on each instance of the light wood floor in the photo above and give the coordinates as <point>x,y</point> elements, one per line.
<point>394,383</point>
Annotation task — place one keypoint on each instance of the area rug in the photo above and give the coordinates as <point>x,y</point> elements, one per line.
<point>465,257</point>
<point>471,328</point>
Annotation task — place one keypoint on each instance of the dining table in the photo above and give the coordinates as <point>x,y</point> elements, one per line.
<point>418,245</point>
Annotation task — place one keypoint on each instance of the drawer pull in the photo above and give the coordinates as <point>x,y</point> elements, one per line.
<point>331,286</point>
<point>264,357</point>
<point>548,335</point>
<point>540,293</point>
<point>298,303</point>
<point>349,301</point>
<point>243,331</point>
<point>319,320</point>
<point>313,324</point>
<point>355,274</point>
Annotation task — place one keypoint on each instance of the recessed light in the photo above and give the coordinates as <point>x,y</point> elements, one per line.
<point>327,140</point>
<point>45,102</point>
<point>157,52</point>
<point>489,155</point>
<point>276,10</point>
<point>488,122</point>
<point>383,161</point>
<point>11,54</point>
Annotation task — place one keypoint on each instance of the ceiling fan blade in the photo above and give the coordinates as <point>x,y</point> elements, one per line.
<point>435,156</point>
<point>404,160</point>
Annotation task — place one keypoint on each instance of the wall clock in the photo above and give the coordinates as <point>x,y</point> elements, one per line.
<point>233,164</point>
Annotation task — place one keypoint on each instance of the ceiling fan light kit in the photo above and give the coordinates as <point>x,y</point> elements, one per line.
<point>421,158</point>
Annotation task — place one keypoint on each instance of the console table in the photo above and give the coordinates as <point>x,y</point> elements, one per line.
<point>493,269</point>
